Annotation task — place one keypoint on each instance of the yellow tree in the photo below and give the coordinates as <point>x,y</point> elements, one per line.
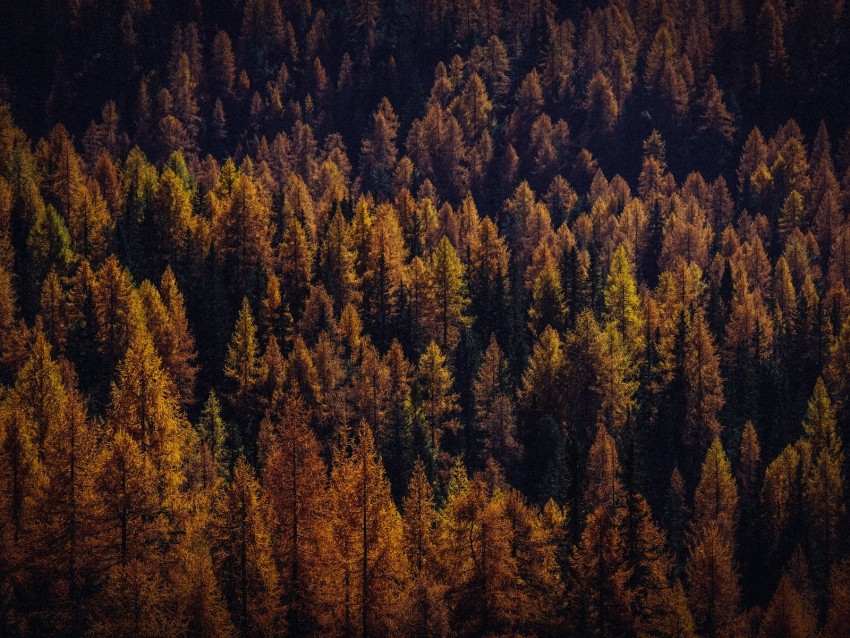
<point>242,230</point>
<point>716,496</point>
<point>599,597</point>
<point>838,613</point>
<point>548,307</point>
<point>117,312</point>
<point>143,404</point>
<point>429,612</point>
<point>128,516</point>
<point>433,389</point>
<point>294,478</point>
<point>824,483</point>
<point>243,366</point>
<point>450,296</point>
<point>66,535</point>
<point>790,613</point>
<point>703,384</point>
<point>495,421</point>
<point>366,574</point>
<point>296,265</point>
<point>622,302</point>
<point>714,590</point>
<point>385,254</point>
<point>178,353</point>
<point>243,556</point>
<point>489,565</point>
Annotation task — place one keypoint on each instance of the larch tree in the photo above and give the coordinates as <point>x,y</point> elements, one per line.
<point>478,560</point>
<point>433,388</point>
<point>296,266</point>
<point>703,384</point>
<point>39,392</point>
<point>379,151</point>
<point>243,366</point>
<point>824,484</point>
<point>117,312</point>
<point>53,311</point>
<point>838,611</point>
<point>716,496</point>
<point>367,572</point>
<point>127,506</point>
<point>383,259</point>
<point>178,354</point>
<point>548,306</point>
<point>790,612</point>
<point>144,405</point>
<point>450,296</point>
<point>337,261</point>
<point>714,591</point>
<point>599,598</point>
<point>429,612</point>
<point>294,477</point>
<point>622,303</point>
<point>244,559</point>
<point>242,230</point>
<point>495,423</point>
<point>66,533</point>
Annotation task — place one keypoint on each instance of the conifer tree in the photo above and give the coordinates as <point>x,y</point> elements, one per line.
<point>824,484</point>
<point>716,496</point>
<point>243,556</point>
<point>714,591</point>
<point>243,368</point>
<point>450,297</point>
<point>294,479</point>
<point>367,537</point>
<point>622,303</point>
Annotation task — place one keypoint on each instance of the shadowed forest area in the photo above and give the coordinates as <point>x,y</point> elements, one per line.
<point>428,318</point>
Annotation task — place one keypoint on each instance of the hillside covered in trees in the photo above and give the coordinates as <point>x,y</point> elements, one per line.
<point>424,318</point>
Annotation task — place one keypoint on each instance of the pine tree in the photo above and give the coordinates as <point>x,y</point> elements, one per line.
<point>600,599</point>
<point>383,258</point>
<point>790,612</point>
<point>379,150</point>
<point>337,259</point>
<point>839,605</point>
<point>548,307</point>
<point>216,439</point>
<point>53,312</point>
<point>127,507</point>
<point>703,383</point>
<point>66,535</point>
<point>117,312</point>
<point>242,232</point>
<point>39,393</point>
<point>131,603</point>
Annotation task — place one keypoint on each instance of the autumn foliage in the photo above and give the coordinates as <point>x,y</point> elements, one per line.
<point>468,318</point>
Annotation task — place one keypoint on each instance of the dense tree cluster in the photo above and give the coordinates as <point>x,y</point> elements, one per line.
<point>469,318</point>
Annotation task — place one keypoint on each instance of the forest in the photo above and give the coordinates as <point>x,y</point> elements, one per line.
<point>427,318</point>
